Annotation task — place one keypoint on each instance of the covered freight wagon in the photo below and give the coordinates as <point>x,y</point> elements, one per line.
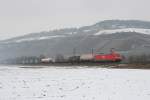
<point>87,57</point>
<point>46,60</point>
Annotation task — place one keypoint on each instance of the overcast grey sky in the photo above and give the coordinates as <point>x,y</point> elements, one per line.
<point>18,17</point>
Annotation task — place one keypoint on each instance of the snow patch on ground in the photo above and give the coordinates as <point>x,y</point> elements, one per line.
<point>144,31</point>
<point>36,38</point>
<point>50,83</point>
<point>86,30</point>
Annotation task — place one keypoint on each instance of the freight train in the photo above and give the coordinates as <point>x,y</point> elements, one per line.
<point>94,58</point>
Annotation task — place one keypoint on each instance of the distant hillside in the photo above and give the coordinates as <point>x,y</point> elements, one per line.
<point>126,36</point>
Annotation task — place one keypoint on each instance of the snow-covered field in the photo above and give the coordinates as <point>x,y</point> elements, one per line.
<point>51,83</point>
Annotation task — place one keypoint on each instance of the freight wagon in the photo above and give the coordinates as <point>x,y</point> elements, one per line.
<point>87,57</point>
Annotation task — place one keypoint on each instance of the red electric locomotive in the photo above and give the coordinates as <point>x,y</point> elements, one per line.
<point>112,57</point>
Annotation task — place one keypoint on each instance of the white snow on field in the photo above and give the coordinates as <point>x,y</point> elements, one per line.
<point>144,31</point>
<point>51,83</point>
